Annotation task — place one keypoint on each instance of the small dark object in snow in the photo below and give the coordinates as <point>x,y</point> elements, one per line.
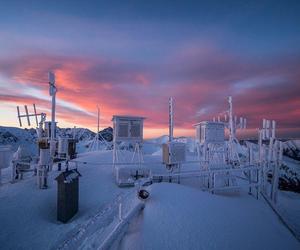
<point>143,194</point>
<point>67,194</point>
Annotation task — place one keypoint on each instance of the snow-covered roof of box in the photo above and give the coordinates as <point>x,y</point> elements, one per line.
<point>208,123</point>
<point>127,117</point>
<point>68,176</point>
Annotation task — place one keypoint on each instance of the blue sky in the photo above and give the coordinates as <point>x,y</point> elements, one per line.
<point>112,52</point>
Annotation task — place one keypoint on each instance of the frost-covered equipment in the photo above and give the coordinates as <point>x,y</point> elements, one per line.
<point>232,123</point>
<point>128,128</point>
<point>62,150</point>
<point>232,126</point>
<point>66,148</point>
<point>127,176</point>
<point>210,138</point>
<point>173,152</point>
<point>127,136</point>
<point>210,132</point>
<point>5,158</point>
<point>49,129</point>
<point>44,164</point>
<point>225,169</point>
<point>270,154</point>
<point>22,162</point>
<point>27,115</point>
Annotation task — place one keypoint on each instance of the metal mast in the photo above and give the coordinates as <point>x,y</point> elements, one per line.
<point>52,92</point>
<point>171,119</point>
<point>231,129</point>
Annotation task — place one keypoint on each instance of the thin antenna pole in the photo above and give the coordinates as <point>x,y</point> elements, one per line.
<point>18,109</point>
<point>52,91</point>
<point>27,115</point>
<point>36,119</point>
<point>171,121</point>
<point>230,119</point>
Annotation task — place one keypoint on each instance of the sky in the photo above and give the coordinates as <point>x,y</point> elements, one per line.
<point>129,57</point>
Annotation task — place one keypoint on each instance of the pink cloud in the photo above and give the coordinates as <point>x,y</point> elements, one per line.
<point>196,82</point>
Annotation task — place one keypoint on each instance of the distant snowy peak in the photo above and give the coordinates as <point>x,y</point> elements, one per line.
<point>159,140</point>
<point>80,133</point>
<point>291,148</point>
<point>10,135</point>
<point>13,135</point>
<point>26,138</point>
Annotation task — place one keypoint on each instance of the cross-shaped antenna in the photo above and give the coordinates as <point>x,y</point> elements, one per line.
<point>27,115</point>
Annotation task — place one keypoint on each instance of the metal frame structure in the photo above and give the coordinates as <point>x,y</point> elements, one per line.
<point>45,161</point>
<point>129,130</point>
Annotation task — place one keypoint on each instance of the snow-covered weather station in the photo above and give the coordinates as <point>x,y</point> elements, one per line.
<point>173,152</point>
<point>210,132</point>
<point>128,135</point>
<point>214,161</point>
<point>50,148</point>
<point>141,125</point>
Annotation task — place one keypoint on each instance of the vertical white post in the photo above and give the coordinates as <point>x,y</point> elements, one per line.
<point>264,129</point>
<point>52,92</point>
<point>273,128</point>
<point>250,154</point>
<point>235,123</point>
<point>275,172</point>
<point>260,146</point>
<point>270,153</point>
<point>278,169</point>
<point>268,129</point>
<point>171,119</point>
<point>231,133</point>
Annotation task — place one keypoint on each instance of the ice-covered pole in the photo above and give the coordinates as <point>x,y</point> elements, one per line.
<point>171,119</point>
<point>230,119</point>
<point>273,128</point>
<point>52,92</point>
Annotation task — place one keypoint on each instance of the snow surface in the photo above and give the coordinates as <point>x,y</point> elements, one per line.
<point>181,217</point>
<point>175,217</point>
<point>28,215</point>
<point>289,208</point>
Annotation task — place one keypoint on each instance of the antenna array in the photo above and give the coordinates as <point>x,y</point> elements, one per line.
<point>28,115</point>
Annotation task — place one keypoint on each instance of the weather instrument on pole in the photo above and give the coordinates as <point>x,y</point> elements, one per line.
<point>174,153</point>
<point>28,115</point>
